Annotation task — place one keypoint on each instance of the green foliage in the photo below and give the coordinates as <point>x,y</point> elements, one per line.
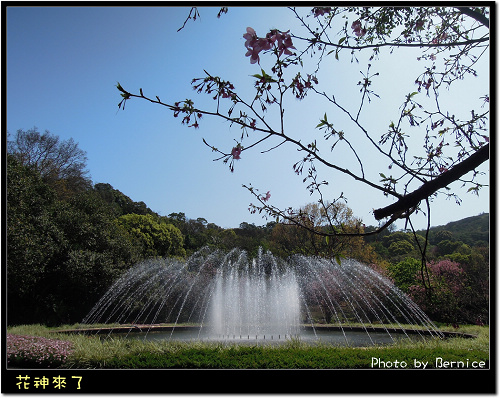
<point>32,236</point>
<point>447,247</point>
<point>288,356</point>
<point>474,231</point>
<point>119,202</point>
<point>62,253</point>
<point>152,235</point>
<point>405,273</point>
<point>458,294</point>
<point>400,248</point>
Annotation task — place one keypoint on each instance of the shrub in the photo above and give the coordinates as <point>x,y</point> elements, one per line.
<point>37,351</point>
<point>445,303</point>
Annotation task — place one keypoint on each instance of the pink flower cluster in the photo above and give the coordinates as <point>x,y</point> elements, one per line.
<point>356,27</point>
<point>300,85</point>
<point>320,11</point>
<point>37,350</point>
<point>445,268</point>
<point>442,37</point>
<point>236,152</point>
<point>275,38</point>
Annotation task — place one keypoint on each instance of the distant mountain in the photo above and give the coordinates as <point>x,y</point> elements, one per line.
<point>473,230</point>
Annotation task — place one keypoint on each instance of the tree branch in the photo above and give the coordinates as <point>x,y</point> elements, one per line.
<point>474,15</point>
<point>428,188</point>
<point>395,44</point>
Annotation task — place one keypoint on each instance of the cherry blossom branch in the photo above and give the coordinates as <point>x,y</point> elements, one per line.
<point>442,34</point>
<point>189,109</point>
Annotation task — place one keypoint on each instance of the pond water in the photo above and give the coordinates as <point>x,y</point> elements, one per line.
<point>353,338</point>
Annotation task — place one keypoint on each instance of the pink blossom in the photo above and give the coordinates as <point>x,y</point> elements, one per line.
<point>250,36</point>
<point>236,152</point>
<point>440,38</point>
<point>320,11</point>
<point>284,43</point>
<point>255,44</point>
<point>267,197</point>
<point>254,56</point>
<point>356,27</point>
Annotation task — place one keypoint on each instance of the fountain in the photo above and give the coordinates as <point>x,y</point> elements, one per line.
<point>227,296</point>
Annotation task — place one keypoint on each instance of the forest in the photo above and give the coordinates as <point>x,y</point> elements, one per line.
<point>68,239</point>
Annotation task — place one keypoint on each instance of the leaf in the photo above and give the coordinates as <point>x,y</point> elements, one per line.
<point>342,39</point>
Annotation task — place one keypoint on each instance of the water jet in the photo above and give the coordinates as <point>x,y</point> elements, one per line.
<point>213,294</point>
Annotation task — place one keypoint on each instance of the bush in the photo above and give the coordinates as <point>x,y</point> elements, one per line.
<point>36,351</point>
<point>445,303</point>
<point>405,273</point>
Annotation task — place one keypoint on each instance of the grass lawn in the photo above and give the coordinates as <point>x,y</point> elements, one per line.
<point>90,352</point>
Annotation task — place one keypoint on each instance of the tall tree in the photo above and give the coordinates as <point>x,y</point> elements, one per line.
<point>154,236</point>
<point>61,254</point>
<point>61,163</point>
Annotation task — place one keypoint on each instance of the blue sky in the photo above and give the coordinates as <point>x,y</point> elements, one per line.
<point>63,64</point>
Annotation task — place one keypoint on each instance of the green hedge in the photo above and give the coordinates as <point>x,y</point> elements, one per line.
<point>257,357</point>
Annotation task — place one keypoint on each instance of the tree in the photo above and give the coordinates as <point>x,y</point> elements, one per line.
<point>61,254</point>
<point>441,235</point>
<point>95,252</point>
<point>121,203</point>
<point>61,163</point>
<point>289,238</point>
<point>448,41</point>
<point>154,237</point>
<point>405,273</point>
<point>32,236</point>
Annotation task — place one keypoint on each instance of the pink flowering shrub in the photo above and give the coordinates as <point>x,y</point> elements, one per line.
<point>36,351</point>
<point>444,302</point>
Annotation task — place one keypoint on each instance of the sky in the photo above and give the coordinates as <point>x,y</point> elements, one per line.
<point>63,64</point>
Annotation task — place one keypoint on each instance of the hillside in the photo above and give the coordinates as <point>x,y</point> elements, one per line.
<point>473,231</point>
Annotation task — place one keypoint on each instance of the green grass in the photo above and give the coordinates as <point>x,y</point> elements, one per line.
<point>90,352</point>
